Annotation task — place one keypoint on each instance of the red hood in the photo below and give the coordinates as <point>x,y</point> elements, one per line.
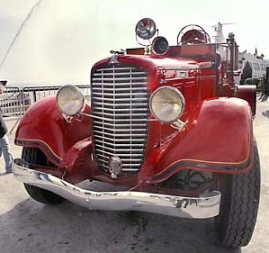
<point>151,62</point>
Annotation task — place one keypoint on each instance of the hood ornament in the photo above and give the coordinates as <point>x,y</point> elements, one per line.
<point>114,57</point>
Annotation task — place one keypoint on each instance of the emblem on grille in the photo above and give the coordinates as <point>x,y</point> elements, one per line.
<point>115,166</point>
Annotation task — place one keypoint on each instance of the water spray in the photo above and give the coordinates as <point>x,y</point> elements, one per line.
<point>19,31</point>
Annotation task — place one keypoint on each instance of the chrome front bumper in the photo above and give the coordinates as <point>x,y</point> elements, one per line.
<point>205,206</point>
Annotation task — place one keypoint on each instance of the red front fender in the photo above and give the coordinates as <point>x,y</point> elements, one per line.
<point>217,138</point>
<point>43,126</point>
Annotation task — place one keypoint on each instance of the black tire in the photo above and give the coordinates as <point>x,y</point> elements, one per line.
<point>35,156</point>
<point>239,207</point>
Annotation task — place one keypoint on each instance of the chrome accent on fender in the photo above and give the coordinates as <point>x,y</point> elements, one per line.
<point>205,206</point>
<point>178,124</point>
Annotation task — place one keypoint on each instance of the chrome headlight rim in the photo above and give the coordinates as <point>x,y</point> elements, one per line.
<point>180,96</point>
<point>145,32</point>
<point>78,92</point>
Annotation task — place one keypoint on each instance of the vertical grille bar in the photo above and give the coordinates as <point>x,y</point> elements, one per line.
<point>121,102</point>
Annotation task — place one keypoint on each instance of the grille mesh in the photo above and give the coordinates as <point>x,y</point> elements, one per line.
<point>120,104</point>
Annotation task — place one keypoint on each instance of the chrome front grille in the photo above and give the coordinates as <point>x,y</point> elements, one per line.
<point>120,104</point>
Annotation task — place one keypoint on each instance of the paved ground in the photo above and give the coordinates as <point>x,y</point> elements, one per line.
<point>27,226</point>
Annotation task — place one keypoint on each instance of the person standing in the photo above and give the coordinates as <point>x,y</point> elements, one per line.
<point>4,142</point>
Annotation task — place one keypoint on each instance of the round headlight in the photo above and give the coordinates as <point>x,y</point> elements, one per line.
<point>145,28</point>
<point>167,104</point>
<point>70,100</point>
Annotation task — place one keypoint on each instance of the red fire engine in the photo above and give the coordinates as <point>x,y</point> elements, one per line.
<point>166,122</point>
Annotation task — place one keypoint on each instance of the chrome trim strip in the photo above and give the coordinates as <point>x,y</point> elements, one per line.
<point>119,150</point>
<point>125,104</point>
<point>121,114</point>
<point>115,145</point>
<point>129,169</point>
<point>120,94</point>
<point>112,139</point>
<point>143,78</point>
<point>130,69</point>
<point>118,135</point>
<point>118,120</point>
<point>121,99</point>
<point>123,159</point>
<point>123,125</point>
<point>118,74</point>
<point>205,206</point>
<point>131,165</point>
<point>121,110</point>
<point>118,130</point>
<point>120,89</point>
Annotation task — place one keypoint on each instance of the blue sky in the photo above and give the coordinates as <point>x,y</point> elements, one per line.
<point>63,38</point>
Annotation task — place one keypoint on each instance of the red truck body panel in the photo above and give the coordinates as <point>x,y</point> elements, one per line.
<point>216,137</point>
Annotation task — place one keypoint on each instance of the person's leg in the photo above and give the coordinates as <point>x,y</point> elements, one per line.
<point>4,145</point>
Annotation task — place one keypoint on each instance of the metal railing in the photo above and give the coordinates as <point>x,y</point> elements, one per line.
<point>15,101</point>
<point>10,102</point>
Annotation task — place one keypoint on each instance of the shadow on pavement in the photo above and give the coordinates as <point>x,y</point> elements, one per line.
<point>33,227</point>
<point>263,97</point>
<point>266,114</point>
